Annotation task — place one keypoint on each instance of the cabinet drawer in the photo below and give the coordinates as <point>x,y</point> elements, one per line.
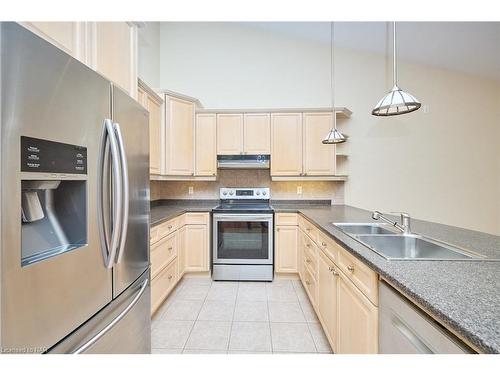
<point>286,219</point>
<point>162,284</point>
<point>162,253</point>
<point>360,274</point>
<point>153,235</point>
<point>328,246</point>
<point>196,218</point>
<point>310,286</point>
<point>165,229</point>
<point>308,228</point>
<point>311,256</point>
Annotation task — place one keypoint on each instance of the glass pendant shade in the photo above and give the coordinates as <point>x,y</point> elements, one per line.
<point>334,137</point>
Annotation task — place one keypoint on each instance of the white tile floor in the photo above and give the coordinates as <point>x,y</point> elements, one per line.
<point>201,316</point>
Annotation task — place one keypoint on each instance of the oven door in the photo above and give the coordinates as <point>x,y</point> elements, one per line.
<point>243,239</point>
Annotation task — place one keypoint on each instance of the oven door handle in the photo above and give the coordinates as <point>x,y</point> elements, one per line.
<point>242,217</point>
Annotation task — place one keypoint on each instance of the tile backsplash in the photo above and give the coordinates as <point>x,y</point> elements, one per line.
<point>332,190</point>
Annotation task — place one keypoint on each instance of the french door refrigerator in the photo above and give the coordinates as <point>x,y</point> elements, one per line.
<point>74,236</point>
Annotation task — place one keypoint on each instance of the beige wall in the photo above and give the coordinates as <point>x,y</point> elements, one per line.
<point>442,166</point>
<point>249,178</point>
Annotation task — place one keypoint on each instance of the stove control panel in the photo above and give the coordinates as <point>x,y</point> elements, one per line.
<point>244,193</point>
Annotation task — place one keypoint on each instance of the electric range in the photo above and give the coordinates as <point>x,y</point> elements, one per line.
<point>243,227</point>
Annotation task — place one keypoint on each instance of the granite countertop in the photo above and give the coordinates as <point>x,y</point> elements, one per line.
<point>166,209</point>
<point>462,295</point>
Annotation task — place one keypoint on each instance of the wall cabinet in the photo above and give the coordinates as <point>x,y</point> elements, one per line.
<point>68,36</point>
<point>179,140</point>
<point>229,134</point>
<point>206,144</point>
<point>113,53</point>
<point>109,48</point>
<point>319,159</point>
<point>154,104</point>
<point>358,320</point>
<point>286,144</point>
<point>257,133</point>
<point>286,249</point>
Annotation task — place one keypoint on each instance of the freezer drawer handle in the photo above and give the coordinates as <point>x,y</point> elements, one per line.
<point>109,145</point>
<point>114,322</point>
<point>125,191</point>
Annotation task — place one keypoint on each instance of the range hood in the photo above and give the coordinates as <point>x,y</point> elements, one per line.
<point>243,161</point>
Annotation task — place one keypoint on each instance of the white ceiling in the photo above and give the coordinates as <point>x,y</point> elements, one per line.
<point>469,47</point>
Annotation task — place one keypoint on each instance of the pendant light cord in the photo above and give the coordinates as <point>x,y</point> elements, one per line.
<point>332,67</point>
<point>394,58</point>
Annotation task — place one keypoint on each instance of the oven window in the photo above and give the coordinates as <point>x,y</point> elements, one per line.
<point>243,240</point>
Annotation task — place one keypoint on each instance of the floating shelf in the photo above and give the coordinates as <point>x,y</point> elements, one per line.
<point>309,178</point>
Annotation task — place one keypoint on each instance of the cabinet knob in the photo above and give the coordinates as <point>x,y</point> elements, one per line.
<point>308,245</point>
<point>308,282</point>
<point>170,277</point>
<point>350,268</point>
<point>308,260</point>
<point>335,273</point>
<point>169,227</point>
<point>323,244</point>
<point>277,229</point>
<point>170,249</point>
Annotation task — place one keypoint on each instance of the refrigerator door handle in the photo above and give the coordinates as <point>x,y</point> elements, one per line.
<point>114,322</point>
<point>125,191</point>
<point>109,243</point>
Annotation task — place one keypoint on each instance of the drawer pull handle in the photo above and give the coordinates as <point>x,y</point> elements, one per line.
<point>350,268</point>
<point>170,249</point>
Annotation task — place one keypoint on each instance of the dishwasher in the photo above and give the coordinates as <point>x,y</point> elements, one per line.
<point>406,329</point>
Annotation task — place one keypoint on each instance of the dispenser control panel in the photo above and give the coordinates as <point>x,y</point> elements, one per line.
<point>41,155</point>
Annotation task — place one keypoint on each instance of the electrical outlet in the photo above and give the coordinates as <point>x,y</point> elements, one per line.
<point>299,190</point>
<point>190,190</point>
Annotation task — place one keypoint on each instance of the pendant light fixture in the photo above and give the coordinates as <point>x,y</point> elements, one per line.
<point>397,101</point>
<point>334,136</point>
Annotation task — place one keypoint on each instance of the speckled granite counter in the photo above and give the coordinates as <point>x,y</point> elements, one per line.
<point>166,209</point>
<point>464,296</point>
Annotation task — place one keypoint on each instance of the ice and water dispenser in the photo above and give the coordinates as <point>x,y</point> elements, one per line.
<point>53,199</point>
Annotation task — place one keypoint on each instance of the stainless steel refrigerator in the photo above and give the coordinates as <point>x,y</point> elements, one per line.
<point>74,236</point>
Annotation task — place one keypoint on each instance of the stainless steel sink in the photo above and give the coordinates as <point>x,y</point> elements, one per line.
<point>414,247</point>
<point>365,228</point>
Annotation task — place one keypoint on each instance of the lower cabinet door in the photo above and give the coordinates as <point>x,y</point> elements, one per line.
<point>162,284</point>
<point>286,249</point>
<point>196,248</point>
<point>181,250</point>
<point>357,320</point>
<point>327,297</point>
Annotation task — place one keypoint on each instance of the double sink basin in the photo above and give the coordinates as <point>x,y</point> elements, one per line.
<point>390,243</point>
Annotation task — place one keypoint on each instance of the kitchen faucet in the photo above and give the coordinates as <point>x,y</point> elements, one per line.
<point>404,227</point>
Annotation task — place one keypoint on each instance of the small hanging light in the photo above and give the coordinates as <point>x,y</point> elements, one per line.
<point>334,136</point>
<point>397,101</point>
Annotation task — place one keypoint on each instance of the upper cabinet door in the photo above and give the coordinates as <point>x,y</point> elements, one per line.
<point>229,134</point>
<point>179,126</point>
<point>206,144</point>
<point>68,36</point>
<point>155,131</point>
<point>286,144</point>
<point>113,48</point>
<point>319,159</point>
<point>257,133</point>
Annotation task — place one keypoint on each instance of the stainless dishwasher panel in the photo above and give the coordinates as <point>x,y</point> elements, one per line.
<point>405,329</point>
